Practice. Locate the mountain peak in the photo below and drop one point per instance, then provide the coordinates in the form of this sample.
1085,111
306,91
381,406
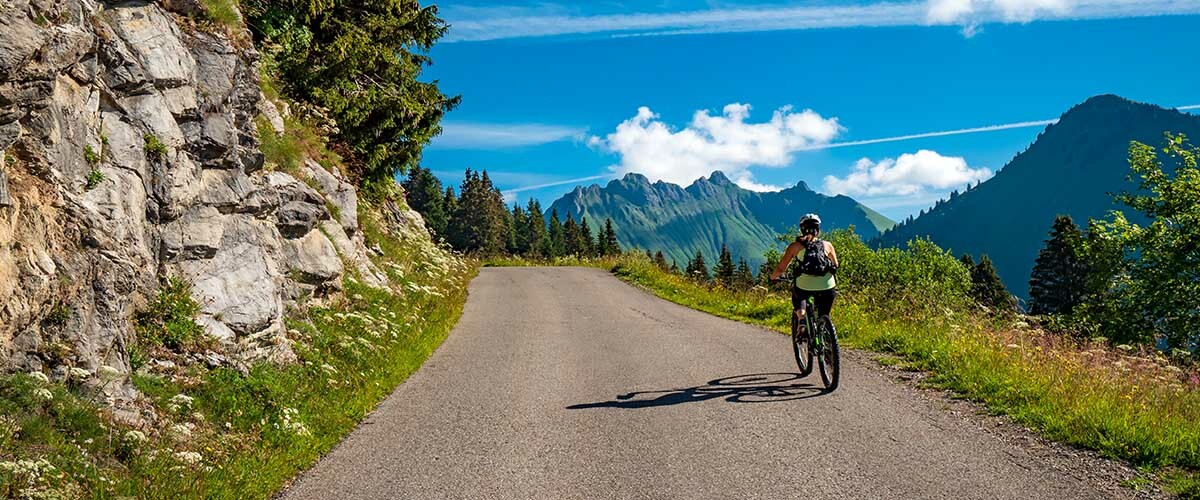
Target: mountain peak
719,178
635,179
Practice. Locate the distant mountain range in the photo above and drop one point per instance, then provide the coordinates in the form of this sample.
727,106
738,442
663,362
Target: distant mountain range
710,212
1071,168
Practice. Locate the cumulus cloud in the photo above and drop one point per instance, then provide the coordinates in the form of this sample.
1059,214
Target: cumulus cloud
912,174
725,142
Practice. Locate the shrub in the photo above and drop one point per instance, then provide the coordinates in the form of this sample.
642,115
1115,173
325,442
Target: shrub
169,319
154,147
94,178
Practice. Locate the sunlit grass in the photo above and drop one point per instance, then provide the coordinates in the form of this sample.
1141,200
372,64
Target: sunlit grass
222,433
1130,406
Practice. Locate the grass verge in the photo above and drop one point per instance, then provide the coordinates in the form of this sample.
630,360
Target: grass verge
1137,408
221,433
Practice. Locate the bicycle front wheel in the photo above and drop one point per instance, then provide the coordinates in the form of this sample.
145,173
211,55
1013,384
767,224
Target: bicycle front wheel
830,358
801,347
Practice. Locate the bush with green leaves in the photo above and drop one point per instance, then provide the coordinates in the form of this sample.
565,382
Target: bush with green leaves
921,277
360,61
1146,278
169,319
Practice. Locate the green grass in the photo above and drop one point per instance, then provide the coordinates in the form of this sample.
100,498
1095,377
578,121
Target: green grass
1134,408
222,433
93,179
154,147
223,12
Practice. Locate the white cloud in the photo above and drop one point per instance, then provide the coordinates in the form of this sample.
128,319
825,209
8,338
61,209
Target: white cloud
912,174
550,19
475,135
726,142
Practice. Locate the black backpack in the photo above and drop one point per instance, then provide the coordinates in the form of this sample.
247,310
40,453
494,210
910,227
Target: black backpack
816,262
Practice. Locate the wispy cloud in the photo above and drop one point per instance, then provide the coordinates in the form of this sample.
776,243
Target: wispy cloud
941,133
475,135
503,22
559,183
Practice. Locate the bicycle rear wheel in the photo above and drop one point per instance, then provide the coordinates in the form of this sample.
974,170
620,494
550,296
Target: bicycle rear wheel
830,357
801,348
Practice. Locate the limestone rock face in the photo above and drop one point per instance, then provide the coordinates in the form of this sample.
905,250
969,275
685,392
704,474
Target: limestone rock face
163,113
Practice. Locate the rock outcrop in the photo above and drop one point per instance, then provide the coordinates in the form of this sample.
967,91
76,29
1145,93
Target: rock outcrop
128,153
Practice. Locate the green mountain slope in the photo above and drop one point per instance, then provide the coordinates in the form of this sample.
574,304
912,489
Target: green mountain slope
1071,168
710,212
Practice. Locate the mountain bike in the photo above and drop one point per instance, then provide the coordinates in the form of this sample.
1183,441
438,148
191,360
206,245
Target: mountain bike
823,346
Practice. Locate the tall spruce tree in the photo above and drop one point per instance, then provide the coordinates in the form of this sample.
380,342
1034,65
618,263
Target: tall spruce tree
423,191
1059,278
988,290
697,269
480,223
572,238
556,236
535,230
723,273
587,244
518,232
743,278
967,262
660,260
608,240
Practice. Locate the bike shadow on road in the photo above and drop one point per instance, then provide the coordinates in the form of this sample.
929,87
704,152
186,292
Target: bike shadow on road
751,388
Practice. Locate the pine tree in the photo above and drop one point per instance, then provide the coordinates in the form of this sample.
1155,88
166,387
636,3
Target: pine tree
481,220
518,240
967,262
556,237
608,240
423,191
660,260
743,278
587,245
535,231
572,239
988,290
1059,276
697,269
674,267
723,273
450,206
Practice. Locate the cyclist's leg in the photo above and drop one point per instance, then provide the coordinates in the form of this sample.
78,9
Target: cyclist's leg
798,298
824,301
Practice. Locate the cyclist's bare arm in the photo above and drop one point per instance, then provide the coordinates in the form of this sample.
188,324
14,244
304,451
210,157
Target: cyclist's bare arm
832,253
792,250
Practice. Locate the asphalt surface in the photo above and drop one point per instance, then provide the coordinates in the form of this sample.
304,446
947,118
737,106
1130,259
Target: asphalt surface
566,383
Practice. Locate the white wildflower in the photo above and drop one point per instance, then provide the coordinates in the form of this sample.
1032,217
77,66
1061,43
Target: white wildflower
135,437
180,402
43,394
39,377
79,373
108,373
329,369
188,457
181,430
290,421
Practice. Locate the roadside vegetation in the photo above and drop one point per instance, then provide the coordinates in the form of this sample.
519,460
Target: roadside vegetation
224,433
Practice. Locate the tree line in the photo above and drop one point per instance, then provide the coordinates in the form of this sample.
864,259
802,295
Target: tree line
1130,283
476,220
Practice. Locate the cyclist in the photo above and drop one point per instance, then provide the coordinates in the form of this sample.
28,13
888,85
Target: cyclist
818,263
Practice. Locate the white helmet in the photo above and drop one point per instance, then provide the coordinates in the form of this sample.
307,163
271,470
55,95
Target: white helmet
810,219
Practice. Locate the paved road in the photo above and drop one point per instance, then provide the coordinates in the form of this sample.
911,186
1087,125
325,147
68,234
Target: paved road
566,383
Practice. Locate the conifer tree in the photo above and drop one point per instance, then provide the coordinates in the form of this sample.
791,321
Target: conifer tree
697,269
423,192
988,290
518,243
967,262
587,244
535,231
572,238
661,261
608,240
1059,276
743,279
556,236
723,273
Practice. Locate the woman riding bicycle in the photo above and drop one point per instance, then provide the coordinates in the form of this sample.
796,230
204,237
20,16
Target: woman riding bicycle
818,263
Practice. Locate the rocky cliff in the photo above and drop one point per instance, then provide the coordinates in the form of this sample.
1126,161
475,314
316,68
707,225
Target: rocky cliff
129,153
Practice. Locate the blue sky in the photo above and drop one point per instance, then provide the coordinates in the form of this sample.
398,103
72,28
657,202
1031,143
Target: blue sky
553,91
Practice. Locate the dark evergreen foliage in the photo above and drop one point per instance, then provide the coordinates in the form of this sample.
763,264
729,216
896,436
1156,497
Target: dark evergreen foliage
1059,276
